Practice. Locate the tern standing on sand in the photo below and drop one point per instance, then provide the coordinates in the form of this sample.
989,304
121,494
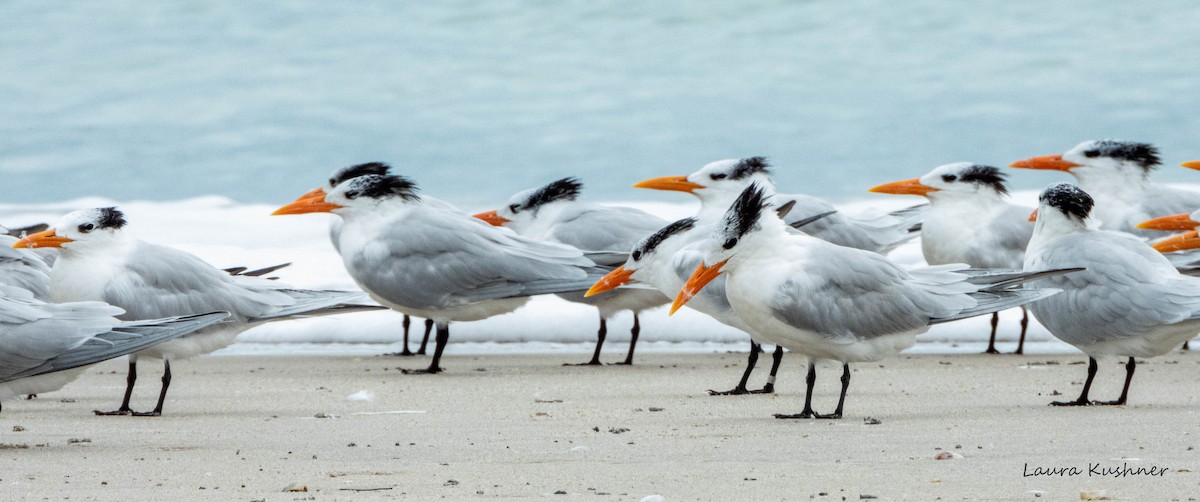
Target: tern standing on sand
553,213
100,262
970,221
1130,302
834,302
419,257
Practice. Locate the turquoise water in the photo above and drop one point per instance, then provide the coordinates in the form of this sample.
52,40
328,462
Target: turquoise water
259,101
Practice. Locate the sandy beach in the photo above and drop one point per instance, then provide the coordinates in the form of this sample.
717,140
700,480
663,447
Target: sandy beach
524,426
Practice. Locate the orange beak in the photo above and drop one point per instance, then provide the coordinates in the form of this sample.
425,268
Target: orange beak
701,277
1033,215
1050,162
492,218
43,239
904,187
311,202
611,281
1181,242
1192,164
1174,222
675,183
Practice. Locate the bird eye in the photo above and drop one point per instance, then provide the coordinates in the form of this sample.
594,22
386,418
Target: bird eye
332,182
352,194
637,254
949,178
514,208
1091,153
729,244
719,176
86,227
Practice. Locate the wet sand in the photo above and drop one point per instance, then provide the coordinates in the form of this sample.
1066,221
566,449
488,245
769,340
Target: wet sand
524,426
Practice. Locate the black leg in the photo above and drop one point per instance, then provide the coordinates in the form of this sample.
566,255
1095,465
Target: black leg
406,323
842,398
130,379
600,336
992,340
1087,386
776,359
443,336
425,339
1129,368
1185,345
741,386
1024,326
162,394
30,396
633,338
810,380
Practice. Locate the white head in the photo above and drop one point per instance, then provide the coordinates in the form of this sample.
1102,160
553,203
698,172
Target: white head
749,215
718,183
649,257
960,180
1062,208
1099,160
525,206
80,230
360,194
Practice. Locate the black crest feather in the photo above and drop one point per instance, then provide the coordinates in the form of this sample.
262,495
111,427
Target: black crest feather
110,217
563,189
1142,154
379,187
1069,199
651,243
749,166
358,170
986,175
746,210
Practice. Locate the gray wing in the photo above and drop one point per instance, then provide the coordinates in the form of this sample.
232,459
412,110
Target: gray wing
159,282
23,268
436,259
850,294
32,331
124,339
1003,245
605,228
1159,200
878,233
1127,289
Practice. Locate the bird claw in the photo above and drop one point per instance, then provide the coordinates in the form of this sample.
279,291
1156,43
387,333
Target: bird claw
426,371
736,391
1077,402
593,362
806,414
122,411
155,413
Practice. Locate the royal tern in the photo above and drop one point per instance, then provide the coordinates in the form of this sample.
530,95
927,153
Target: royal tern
99,262
415,255
719,183
335,231
1130,302
43,346
1117,175
970,221
664,260
833,302
552,213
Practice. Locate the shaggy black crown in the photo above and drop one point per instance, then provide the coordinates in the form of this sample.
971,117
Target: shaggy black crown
358,170
378,187
651,243
563,189
1069,199
1144,155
